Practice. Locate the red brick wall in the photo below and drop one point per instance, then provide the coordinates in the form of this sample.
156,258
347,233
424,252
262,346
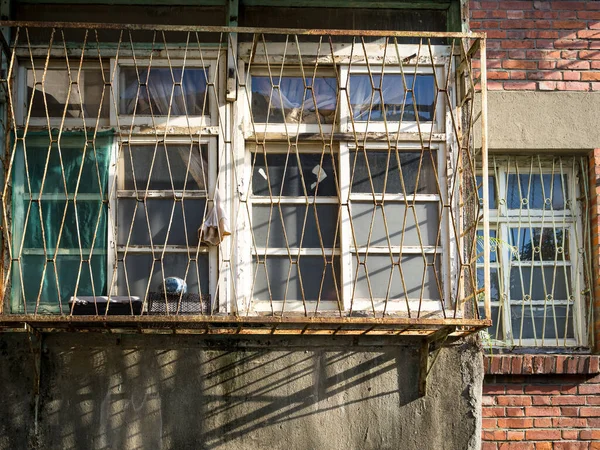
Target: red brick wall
540,45
541,402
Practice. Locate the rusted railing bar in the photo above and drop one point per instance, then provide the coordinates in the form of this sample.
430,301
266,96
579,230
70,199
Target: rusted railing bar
248,30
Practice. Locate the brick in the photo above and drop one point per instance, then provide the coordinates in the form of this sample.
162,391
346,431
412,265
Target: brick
544,422
545,65
514,400
515,435
515,423
544,400
569,411
515,412
573,24
590,76
572,86
542,435
518,74
589,54
547,85
543,76
568,400
542,411
588,34
495,75
569,422
571,44
496,435
567,5
492,412
548,389
573,65
516,64
493,389
589,15
592,400
571,446
514,389
521,86
488,400
571,75
570,435
589,434
517,446
590,411
589,389
488,446
543,446
488,423
523,44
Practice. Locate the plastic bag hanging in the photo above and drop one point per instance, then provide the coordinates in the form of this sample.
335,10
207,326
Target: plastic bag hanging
216,225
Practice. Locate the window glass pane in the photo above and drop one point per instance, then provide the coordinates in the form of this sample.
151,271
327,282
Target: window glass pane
491,190
67,228
367,218
154,217
419,280
81,94
296,220
495,246
537,282
495,330
69,169
549,322
137,270
84,224
549,244
372,97
281,172
162,91
282,281
296,100
89,277
379,167
148,166
494,283
546,191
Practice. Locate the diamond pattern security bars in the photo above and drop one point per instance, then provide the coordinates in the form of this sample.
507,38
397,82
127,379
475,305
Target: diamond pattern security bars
335,186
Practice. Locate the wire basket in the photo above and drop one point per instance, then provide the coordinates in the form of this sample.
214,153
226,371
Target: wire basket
161,304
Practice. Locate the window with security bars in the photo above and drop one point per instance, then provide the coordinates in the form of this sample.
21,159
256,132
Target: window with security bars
354,222
110,209
540,267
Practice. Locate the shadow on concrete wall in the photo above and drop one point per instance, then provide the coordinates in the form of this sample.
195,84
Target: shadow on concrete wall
165,392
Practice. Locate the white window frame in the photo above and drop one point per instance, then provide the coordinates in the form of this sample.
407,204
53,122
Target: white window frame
168,123
412,138
55,64
290,128
502,219
116,191
382,126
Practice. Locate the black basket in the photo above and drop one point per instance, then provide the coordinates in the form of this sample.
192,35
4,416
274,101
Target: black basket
175,304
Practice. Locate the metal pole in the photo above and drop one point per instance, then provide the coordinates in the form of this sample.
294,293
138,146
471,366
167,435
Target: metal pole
485,169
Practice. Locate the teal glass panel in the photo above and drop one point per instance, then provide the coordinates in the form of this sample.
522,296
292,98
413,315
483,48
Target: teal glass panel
59,206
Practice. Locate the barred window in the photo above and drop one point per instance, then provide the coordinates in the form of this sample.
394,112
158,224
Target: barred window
540,268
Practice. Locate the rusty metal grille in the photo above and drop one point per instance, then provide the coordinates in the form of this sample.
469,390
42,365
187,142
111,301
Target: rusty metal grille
541,267
293,177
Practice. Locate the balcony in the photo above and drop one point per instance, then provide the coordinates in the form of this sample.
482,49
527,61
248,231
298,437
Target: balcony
244,181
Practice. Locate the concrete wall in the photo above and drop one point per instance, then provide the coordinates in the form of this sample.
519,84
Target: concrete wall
167,392
522,121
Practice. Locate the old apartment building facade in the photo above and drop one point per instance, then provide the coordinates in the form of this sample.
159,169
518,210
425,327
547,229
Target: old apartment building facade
257,224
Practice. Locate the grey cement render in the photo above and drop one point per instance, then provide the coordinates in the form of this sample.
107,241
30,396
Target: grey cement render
172,392
533,121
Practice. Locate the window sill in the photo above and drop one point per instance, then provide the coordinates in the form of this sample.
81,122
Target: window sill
541,364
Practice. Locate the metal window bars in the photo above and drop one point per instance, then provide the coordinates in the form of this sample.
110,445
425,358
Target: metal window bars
344,162
541,267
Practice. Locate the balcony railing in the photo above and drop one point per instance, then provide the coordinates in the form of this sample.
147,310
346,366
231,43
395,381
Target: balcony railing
244,180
